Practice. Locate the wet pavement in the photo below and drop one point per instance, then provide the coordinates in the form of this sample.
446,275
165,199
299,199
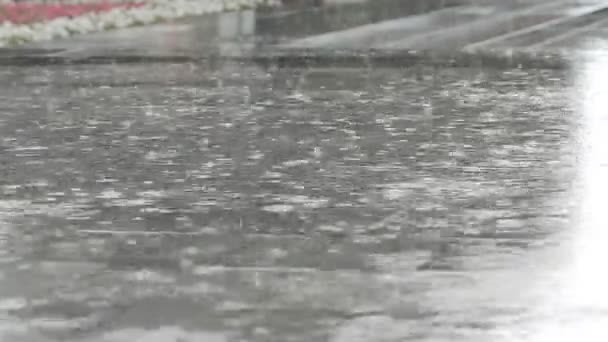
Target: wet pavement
362,27
215,200
238,34
235,203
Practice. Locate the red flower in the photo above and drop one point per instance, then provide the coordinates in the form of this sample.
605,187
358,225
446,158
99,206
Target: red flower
25,13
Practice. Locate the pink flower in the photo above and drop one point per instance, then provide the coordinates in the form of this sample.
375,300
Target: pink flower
25,13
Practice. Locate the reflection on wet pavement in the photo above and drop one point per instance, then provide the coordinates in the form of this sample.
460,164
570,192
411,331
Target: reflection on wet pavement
233,203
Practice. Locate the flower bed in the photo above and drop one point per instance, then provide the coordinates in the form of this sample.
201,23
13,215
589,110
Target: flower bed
27,12
43,20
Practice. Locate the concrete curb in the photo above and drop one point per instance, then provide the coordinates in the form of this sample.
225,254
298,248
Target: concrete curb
309,59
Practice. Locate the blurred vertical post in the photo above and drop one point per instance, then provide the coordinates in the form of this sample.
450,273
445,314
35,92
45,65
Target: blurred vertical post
236,31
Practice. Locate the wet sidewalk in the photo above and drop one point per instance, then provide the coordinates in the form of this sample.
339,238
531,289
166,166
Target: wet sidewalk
230,202
237,34
384,31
